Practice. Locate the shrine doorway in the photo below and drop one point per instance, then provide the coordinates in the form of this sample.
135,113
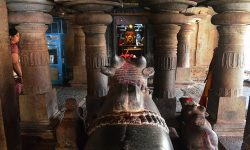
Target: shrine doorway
130,39
132,35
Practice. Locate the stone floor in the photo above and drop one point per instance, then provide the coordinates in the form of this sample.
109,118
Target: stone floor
231,143
195,91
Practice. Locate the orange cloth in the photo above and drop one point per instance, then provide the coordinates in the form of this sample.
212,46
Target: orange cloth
208,85
204,96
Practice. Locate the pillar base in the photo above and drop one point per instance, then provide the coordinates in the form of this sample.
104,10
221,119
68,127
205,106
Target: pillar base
39,117
229,129
227,114
167,108
38,136
79,76
183,77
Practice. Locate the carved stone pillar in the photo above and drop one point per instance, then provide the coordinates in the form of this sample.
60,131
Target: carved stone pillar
38,105
183,51
9,124
226,103
95,21
165,67
166,21
69,45
79,67
183,72
96,56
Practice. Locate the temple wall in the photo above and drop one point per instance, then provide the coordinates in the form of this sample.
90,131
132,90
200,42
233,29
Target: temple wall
204,41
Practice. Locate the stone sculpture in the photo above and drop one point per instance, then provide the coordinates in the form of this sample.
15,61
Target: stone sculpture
128,118
197,132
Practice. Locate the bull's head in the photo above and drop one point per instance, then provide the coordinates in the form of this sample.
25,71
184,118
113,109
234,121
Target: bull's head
193,112
128,84
196,115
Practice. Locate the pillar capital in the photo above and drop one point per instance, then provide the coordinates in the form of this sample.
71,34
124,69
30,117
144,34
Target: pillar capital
230,5
92,18
230,18
32,28
168,18
188,27
94,5
69,18
29,11
29,17
167,5
30,5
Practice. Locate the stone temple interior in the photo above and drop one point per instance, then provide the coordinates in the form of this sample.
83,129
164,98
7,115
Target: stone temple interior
125,75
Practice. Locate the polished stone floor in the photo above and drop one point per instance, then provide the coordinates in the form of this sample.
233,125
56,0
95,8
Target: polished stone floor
195,91
79,93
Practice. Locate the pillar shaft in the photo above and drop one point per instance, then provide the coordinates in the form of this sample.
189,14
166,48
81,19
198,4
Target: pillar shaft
79,52
69,45
184,45
96,57
165,60
79,67
9,124
34,59
230,63
95,25
183,72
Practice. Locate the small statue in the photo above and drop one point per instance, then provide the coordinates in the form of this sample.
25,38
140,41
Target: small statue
197,132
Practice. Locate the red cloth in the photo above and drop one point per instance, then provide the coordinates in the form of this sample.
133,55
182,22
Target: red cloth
19,86
14,48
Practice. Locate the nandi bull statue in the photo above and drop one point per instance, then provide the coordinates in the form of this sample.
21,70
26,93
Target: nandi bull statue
197,132
128,118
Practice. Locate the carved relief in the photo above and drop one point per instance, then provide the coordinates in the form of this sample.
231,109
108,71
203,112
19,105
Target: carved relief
165,63
141,118
184,48
226,92
170,93
96,62
232,60
97,92
35,59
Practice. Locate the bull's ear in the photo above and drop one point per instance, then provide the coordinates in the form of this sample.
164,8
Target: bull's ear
148,72
202,108
108,71
206,114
